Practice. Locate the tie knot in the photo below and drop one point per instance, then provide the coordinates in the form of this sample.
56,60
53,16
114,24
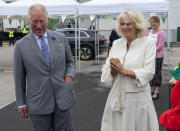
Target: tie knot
41,37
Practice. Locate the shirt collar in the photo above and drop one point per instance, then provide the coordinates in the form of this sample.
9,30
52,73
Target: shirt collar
37,37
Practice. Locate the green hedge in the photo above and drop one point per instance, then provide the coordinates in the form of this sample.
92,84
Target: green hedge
53,24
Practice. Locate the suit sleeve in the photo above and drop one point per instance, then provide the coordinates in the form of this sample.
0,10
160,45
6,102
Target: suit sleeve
70,64
19,77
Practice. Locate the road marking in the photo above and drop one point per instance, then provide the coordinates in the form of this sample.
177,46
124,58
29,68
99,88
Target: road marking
4,105
7,71
81,61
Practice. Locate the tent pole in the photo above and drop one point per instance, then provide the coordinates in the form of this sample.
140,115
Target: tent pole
98,38
76,42
168,42
95,47
96,44
79,42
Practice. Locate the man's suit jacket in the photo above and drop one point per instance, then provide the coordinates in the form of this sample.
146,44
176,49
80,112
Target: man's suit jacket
35,84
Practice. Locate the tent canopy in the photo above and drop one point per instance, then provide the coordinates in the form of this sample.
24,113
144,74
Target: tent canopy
2,2
116,6
54,7
2,5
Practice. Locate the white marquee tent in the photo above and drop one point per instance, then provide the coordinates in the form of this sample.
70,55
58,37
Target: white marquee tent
2,5
2,2
116,6
54,7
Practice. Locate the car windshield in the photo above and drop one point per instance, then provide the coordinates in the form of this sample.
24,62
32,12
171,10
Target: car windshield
84,33
71,33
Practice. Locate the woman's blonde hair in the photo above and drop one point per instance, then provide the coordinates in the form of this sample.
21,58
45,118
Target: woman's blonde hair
137,18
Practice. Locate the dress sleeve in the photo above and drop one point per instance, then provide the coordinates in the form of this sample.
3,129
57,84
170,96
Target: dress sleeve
106,77
145,74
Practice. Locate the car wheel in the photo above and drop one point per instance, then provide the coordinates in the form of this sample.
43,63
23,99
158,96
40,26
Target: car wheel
86,53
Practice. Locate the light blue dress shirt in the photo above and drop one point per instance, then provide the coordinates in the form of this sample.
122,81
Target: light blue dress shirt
39,40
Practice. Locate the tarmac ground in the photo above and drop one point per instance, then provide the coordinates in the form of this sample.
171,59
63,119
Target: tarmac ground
91,95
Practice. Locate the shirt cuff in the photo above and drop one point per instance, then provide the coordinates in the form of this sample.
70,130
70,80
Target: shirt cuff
22,106
70,75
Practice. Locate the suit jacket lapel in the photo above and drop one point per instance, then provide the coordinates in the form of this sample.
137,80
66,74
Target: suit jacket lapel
52,45
34,46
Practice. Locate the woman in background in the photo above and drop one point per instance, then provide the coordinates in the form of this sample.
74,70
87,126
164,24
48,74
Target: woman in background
159,36
129,68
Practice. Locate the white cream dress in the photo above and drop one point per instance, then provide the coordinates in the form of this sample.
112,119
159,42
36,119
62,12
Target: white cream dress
129,105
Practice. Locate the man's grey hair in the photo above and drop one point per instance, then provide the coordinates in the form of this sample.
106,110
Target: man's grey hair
37,7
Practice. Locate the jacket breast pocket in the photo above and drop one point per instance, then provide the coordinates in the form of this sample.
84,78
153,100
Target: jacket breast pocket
60,49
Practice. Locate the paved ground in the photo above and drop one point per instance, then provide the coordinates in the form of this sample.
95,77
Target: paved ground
91,95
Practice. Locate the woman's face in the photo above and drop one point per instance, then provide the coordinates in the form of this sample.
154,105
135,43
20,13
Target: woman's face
128,28
154,24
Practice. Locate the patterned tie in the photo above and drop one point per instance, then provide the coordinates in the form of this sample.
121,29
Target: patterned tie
45,52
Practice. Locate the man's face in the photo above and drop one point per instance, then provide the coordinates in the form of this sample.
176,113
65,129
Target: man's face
38,22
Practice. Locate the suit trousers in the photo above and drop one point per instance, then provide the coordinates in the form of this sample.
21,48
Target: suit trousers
59,120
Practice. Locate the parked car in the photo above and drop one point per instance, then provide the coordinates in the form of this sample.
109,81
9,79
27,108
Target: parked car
87,42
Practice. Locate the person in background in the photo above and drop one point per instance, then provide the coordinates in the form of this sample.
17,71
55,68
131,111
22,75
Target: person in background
159,36
113,36
25,31
69,24
60,26
1,37
128,69
44,70
11,37
92,27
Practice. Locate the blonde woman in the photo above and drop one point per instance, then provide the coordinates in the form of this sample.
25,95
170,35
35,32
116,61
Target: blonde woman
129,68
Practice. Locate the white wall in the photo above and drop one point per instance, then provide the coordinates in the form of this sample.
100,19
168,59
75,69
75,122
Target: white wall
174,14
174,20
